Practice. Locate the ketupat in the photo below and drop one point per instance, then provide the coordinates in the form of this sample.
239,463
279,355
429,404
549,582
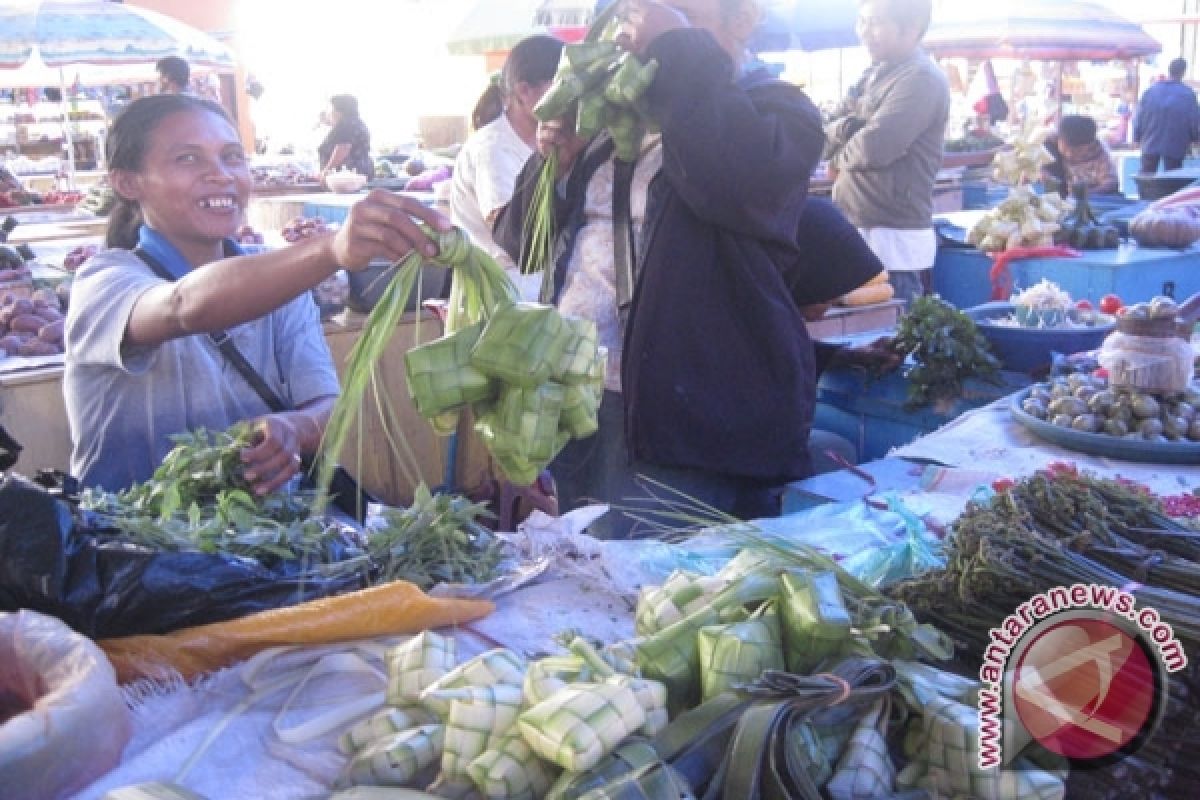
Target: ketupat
520,345
479,716
487,669
581,723
397,759
417,664
739,652
816,624
382,724
511,770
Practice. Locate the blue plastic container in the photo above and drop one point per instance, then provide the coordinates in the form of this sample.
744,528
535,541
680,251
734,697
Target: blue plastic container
1023,349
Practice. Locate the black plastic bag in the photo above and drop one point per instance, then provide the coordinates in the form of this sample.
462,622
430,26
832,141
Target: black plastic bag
62,562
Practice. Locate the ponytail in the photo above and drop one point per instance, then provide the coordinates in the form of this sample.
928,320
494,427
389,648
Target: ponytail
489,106
124,225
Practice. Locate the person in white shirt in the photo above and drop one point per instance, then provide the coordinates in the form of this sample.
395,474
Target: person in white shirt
486,169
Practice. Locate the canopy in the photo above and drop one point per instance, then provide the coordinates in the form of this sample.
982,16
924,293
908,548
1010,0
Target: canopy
1048,30
806,25
492,26
65,32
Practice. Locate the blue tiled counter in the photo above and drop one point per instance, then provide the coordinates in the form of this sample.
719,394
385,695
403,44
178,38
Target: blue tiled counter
961,275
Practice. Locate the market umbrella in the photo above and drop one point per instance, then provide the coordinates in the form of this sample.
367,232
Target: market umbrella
66,32
806,25
493,26
1047,30
40,40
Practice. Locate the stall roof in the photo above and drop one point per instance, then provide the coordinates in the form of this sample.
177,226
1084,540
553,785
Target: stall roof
1062,30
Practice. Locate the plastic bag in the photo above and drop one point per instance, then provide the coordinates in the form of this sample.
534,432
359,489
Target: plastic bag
879,547
63,721
387,610
63,563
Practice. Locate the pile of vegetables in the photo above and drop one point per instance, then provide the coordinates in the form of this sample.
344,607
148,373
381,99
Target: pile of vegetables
1087,403
198,500
1024,218
947,349
1062,527
33,325
531,378
1081,229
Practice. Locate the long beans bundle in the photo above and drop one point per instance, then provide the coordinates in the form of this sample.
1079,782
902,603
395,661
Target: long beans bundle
1060,528
1052,529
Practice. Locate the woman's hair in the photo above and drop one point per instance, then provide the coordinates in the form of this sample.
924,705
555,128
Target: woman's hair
345,104
1076,130
533,60
125,149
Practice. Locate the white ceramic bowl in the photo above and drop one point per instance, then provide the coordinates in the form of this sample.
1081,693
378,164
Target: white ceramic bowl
345,181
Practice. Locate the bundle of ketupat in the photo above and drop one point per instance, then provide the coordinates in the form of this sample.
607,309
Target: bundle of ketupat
737,653
603,87
514,365
942,742
495,725
591,722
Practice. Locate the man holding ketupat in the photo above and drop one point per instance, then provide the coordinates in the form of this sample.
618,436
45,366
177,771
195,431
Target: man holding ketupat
711,380
140,363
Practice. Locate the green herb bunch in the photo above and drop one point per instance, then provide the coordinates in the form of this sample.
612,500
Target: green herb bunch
198,499
947,348
437,539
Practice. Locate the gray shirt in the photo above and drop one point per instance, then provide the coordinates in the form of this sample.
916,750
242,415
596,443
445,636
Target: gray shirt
887,147
123,403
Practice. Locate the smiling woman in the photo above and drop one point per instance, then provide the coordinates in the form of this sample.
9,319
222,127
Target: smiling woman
138,367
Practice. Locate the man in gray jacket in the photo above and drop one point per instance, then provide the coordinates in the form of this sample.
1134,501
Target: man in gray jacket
885,144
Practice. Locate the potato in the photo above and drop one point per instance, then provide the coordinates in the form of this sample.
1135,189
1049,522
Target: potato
9,345
52,333
46,297
26,322
36,347
22,305
48,314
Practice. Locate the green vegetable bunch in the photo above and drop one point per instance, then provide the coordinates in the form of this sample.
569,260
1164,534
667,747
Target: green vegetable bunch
199,500
438,539
947,348
202,466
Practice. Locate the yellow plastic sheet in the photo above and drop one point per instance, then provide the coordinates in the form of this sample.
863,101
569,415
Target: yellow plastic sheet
390,609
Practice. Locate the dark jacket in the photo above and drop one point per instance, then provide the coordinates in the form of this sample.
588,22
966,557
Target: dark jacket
1168,120
718,368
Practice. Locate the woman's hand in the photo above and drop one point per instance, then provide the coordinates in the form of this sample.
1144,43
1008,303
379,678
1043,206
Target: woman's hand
559,135
274,457
385,226
643,21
